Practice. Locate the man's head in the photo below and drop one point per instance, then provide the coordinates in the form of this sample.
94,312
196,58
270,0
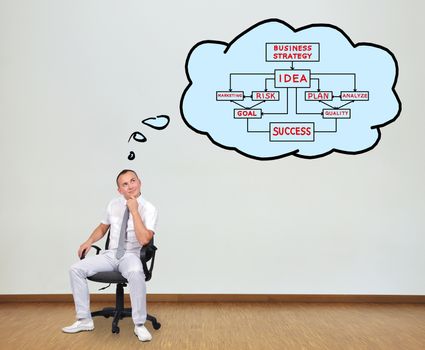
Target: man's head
128,183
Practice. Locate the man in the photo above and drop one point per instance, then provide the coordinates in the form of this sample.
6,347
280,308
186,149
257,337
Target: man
142,217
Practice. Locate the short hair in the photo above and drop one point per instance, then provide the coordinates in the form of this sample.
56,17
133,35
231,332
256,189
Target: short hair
125,171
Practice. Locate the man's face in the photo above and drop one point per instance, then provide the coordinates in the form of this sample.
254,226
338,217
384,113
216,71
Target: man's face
129,185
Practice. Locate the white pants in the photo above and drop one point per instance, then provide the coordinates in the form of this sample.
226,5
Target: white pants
130,267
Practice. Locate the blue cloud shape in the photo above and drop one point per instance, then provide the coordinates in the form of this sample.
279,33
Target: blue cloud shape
276,91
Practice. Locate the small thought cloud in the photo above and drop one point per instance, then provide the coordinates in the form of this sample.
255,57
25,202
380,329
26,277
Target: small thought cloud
160,122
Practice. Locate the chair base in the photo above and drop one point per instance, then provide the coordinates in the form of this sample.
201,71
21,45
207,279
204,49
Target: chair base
119,311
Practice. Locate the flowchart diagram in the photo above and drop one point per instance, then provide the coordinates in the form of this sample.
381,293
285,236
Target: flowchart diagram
275,91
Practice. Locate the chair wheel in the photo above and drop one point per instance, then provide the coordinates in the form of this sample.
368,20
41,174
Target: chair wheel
115,329
156,325
107,316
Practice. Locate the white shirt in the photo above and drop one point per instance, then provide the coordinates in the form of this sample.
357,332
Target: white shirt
114,215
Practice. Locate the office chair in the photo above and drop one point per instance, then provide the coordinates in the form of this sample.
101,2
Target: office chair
119,311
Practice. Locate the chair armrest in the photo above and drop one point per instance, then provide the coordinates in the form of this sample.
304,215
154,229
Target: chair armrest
95,247
147,253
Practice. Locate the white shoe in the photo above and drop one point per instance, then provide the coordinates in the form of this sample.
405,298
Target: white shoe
79,326
142,333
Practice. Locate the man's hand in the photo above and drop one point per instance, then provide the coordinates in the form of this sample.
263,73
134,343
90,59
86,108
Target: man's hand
85,247
97,234
132,204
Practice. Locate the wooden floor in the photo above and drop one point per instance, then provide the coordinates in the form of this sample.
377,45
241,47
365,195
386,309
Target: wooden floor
197,326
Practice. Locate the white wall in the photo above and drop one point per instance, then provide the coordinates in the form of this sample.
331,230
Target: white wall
77,78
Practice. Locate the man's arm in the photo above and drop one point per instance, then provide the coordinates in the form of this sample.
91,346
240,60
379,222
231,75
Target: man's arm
143,235
97,234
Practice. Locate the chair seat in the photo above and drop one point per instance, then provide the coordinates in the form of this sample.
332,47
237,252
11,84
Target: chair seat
108,277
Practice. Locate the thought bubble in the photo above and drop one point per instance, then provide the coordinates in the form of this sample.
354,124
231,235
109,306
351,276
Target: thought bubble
159,123
275,91
137,136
